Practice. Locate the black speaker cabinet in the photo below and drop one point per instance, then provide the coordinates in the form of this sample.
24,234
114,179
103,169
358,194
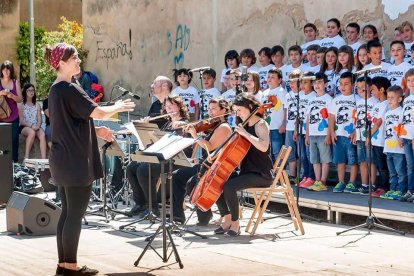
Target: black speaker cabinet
31,215
6,162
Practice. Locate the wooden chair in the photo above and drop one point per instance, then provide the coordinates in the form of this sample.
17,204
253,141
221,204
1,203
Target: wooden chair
280,184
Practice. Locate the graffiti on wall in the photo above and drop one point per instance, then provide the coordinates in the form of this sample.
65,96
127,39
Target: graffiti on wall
178,44
113,50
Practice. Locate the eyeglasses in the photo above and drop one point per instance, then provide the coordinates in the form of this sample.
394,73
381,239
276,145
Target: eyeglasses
30,90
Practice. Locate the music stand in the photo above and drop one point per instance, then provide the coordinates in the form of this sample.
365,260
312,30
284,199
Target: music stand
165,150
108,148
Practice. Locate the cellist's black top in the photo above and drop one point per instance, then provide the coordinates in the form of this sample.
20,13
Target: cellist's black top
256,161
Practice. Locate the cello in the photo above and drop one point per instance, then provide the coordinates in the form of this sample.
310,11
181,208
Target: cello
227,158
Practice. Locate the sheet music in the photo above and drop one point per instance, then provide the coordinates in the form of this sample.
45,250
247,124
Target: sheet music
169,145
130,126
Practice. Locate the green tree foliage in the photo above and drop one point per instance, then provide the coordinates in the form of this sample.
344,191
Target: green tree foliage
68,31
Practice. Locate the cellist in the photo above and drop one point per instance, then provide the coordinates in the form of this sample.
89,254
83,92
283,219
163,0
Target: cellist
255,168
219,109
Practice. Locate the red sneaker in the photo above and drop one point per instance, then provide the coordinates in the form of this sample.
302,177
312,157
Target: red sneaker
303,181
377,192
309,182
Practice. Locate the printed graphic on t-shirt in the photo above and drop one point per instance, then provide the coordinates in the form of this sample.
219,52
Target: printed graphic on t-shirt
343,107
318,115
393,130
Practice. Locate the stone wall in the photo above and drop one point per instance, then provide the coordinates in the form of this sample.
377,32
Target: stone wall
9,29
130,42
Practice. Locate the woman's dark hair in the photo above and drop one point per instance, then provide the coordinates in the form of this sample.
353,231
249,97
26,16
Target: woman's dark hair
223,104
231,54
337,23
348,50
9,65
358,63
175,99
324,65
248,101
69,52
24,93
184,71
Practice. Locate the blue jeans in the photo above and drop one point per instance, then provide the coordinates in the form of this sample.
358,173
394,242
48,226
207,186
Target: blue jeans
290,143
362,152
344,151
409,157
398,171
276,142
380,161
305,158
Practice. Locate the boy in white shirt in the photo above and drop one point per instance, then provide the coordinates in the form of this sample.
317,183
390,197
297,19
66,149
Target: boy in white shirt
407,35
379,91
311,33
317,135
342,129
364,91
276,93
312,65
374,48
393,146
209,92
265,61
352,36
295,58
397,71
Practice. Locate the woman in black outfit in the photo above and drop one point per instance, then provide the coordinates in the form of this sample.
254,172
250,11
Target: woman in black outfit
216,107
255,168
74,156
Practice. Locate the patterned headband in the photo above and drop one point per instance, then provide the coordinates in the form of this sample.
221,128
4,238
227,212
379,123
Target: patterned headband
57,54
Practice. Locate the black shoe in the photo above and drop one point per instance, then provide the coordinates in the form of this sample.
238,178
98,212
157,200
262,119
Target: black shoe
136,210
220,231
233,233
83,271
59,271
205,220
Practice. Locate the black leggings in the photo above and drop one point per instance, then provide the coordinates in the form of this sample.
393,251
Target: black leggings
228,202
74,203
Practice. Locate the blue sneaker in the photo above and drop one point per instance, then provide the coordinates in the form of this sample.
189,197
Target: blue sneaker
351,188
387,195
339,188
395,195
363,190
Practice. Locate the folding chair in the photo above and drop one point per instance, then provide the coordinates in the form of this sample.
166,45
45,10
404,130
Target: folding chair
280,184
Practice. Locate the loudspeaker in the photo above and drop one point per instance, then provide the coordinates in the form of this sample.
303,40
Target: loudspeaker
6,163
31,215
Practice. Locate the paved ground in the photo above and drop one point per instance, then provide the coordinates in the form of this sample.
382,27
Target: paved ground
275,250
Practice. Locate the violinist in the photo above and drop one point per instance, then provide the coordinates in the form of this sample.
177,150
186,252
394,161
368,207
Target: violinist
218,108
255,167
138,173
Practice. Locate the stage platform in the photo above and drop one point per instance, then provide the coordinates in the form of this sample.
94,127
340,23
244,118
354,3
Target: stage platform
336,204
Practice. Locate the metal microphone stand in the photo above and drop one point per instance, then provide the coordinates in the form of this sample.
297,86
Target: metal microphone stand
371,221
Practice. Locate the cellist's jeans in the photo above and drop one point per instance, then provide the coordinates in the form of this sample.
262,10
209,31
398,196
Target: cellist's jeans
228,202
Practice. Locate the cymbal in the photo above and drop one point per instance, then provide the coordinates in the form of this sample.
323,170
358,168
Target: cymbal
108,120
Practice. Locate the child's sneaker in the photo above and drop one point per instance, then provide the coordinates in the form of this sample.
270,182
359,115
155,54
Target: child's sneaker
387,195
350,188
377,192
303,181
292,180
339,188
396,195
408,195
309,182
363,190
317,187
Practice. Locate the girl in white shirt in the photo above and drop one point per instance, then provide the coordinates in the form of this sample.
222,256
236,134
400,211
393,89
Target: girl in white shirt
328,68
253,85
231,61
333,34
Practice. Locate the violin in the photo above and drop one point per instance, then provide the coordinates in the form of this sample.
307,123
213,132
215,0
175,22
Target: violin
227,157
206,125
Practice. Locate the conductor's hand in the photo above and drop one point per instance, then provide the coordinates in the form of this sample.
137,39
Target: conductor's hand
104,133
125,105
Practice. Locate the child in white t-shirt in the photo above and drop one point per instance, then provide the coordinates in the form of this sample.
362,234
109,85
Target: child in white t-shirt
393,145
397,70
364,108
328,68
379,91
231,61
407,35
369,33
312,65
317,135
265,61
209,92
295,58
190,96
352,36
345,64
230,94
362,58
248,59
374,49
333,34
311,33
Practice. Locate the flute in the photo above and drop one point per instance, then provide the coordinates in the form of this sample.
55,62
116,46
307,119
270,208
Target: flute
154,118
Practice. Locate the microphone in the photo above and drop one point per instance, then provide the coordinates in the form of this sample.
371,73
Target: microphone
372,69
200,69
124,92
244,75
303,78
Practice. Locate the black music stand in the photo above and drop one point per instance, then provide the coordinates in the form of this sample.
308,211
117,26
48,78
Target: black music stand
165,150
108,148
